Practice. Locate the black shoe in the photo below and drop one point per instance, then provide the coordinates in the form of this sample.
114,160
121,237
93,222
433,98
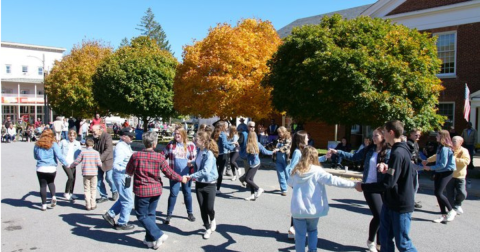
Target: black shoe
191,217
109,219
101,200
167,220
417,205
115,196
124,227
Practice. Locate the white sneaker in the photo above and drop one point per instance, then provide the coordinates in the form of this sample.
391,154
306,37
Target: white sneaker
207,234
234,178
67,196
459,210
441,219
44,207
252,197
372,247
149,244
160,241
73,197
451,215
213,225
259,192
291,233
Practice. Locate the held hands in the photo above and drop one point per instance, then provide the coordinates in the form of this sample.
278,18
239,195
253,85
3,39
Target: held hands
185,179
331,151
358,187
382,167
425,167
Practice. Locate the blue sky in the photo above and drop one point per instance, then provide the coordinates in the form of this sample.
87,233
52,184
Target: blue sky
66,23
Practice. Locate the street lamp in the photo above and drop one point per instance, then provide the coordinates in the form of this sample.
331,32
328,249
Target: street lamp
45,106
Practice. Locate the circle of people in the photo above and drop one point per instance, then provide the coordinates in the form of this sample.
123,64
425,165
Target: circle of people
389,184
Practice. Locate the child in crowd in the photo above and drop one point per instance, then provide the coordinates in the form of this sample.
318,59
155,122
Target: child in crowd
90,159
309,198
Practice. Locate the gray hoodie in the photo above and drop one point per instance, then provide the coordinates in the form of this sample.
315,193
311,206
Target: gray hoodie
309,197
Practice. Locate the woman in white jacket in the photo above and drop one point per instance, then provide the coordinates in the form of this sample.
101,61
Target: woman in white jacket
309,198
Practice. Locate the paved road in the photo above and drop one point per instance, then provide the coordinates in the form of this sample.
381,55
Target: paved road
242,225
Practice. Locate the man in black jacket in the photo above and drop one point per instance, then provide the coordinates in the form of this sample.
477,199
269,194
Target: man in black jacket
412,143
398,188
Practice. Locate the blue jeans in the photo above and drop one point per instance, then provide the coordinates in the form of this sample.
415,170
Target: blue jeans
145,209
187,195
302,227
101,185
64,134
124,204
395,225
282,174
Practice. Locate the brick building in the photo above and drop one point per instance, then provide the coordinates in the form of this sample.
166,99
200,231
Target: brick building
457,25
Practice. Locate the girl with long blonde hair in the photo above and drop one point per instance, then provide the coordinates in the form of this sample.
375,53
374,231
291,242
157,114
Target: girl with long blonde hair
205,175
309,197
253,150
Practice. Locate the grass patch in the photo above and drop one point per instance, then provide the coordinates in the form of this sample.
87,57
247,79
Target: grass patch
322,151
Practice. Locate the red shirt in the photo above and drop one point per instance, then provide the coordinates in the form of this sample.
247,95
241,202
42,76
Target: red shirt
146,165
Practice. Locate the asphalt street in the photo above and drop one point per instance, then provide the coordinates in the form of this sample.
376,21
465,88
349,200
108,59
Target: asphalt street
242,226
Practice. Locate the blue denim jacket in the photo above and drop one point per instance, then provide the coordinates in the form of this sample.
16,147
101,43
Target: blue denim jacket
365,154
243,145
224,146
207,172
48,157
76,146
254,159
445,160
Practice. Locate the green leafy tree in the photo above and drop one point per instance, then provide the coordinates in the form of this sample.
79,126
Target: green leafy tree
152,29
358,71
69,84
137,80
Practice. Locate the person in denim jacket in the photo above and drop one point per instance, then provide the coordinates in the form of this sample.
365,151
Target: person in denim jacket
444,168
205,175
282,157
372,155
224,147
253,150
46,152
71,148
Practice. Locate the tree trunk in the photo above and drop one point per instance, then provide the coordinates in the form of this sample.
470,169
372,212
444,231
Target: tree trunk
145,123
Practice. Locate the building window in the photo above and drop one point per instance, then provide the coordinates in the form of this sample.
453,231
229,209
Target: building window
40,70
24,69
7,91
355,129
448,110
39,110
8,69
40,92
446,48
24,91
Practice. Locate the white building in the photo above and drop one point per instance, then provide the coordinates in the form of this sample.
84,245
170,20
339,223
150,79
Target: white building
22,72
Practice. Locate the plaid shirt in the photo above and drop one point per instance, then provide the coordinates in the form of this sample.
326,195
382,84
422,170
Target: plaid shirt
169,150
146,166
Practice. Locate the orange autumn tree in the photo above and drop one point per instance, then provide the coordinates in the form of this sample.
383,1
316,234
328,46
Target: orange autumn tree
69,84
221,75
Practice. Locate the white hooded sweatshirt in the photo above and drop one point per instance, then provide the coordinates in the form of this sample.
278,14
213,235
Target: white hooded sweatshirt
309,198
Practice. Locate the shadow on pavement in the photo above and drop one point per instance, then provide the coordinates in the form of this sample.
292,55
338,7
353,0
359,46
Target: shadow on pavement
22,202
85,225
356,206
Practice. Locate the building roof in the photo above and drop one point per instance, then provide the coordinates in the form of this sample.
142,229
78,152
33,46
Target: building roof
23,80
35,47
347,13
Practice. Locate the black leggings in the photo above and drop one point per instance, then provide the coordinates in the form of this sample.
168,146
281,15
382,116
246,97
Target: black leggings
233,162
249,178
374,202
441,181
71,175
221,162
206,201
45,179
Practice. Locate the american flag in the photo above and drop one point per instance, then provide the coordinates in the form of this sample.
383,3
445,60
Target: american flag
466,107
